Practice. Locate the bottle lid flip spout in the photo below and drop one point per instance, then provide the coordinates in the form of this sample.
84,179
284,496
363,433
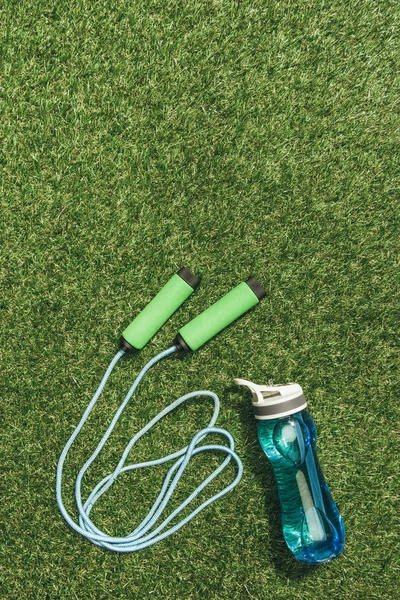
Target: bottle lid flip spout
274,401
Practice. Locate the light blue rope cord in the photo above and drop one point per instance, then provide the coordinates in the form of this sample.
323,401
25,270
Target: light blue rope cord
149,531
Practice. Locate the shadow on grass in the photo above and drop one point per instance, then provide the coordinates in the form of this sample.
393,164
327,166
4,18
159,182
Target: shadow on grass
282,558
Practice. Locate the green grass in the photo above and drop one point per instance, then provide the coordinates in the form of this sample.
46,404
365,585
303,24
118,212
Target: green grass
236,138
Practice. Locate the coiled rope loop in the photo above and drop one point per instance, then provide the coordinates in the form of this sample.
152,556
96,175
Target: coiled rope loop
149,531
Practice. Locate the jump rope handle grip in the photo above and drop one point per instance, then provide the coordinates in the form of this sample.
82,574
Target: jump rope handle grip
221,314
159,310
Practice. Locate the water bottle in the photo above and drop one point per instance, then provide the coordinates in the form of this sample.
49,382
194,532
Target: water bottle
312,526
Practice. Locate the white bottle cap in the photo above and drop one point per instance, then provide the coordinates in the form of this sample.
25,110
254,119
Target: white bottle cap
274,401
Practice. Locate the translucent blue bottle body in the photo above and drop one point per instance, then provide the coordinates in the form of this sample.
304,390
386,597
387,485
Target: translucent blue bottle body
312,526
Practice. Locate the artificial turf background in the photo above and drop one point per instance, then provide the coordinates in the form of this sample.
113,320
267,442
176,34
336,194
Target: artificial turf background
235,138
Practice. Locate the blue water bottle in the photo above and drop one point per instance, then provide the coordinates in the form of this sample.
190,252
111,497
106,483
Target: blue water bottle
312,526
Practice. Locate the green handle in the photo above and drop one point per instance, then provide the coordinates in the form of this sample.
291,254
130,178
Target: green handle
218,316
154,315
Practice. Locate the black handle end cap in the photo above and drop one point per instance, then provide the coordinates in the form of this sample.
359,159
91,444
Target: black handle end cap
125,346
189,277
256,287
